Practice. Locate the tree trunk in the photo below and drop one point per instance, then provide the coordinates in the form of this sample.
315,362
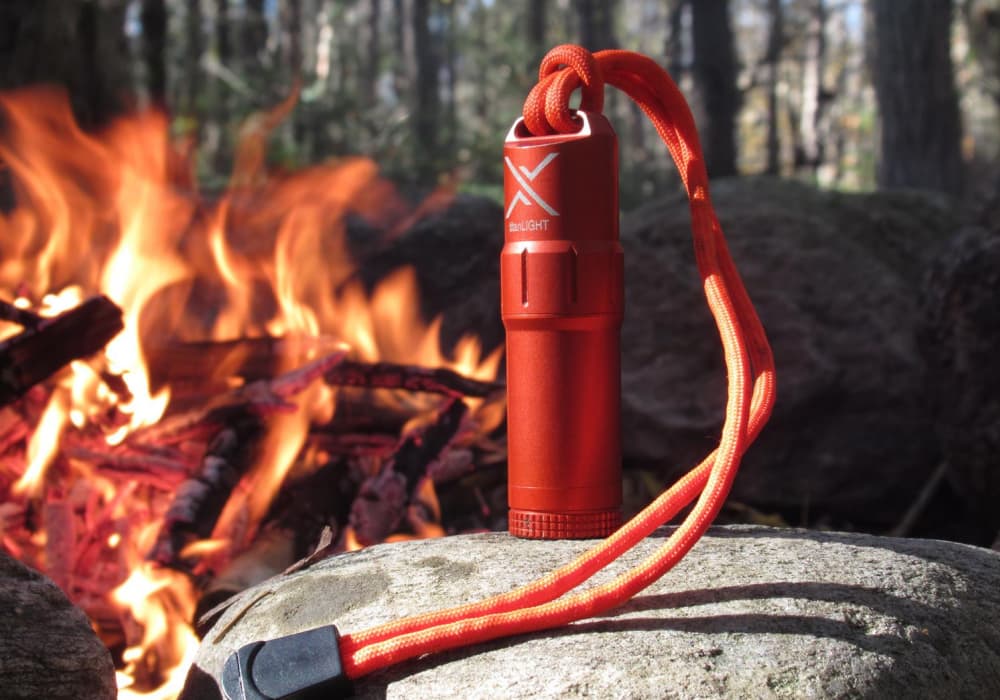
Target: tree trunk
481,29
192,59
537,34
596,19
920,129
674,44
154,45
849,68
220,91
291,36
775,42
813,93
374,52
223,43
254,34
427,102
982,22
714,72
78,45
403,70
450,42
291,58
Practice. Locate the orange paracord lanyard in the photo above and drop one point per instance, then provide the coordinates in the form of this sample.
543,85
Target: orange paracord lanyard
543,604
539,605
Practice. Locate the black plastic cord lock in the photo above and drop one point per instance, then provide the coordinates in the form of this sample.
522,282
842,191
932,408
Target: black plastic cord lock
299,666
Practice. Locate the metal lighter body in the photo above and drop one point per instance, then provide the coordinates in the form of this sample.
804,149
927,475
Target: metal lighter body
562,302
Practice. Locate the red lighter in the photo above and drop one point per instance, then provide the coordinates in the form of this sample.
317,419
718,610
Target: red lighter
561,291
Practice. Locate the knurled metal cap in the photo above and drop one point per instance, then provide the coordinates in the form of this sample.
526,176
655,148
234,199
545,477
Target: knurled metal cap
535,525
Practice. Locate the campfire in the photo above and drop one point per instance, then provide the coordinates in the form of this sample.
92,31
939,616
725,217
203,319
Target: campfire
196,391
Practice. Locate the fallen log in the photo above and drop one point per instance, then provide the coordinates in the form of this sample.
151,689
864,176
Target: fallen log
38,352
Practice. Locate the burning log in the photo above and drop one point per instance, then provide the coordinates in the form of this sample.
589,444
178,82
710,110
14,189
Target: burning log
309,515
230,453
309,509
355,444
387,375
200,499
41,350
271,553
160,471
319,500
263,397
15,314
60,542
188,366
12,429
382,500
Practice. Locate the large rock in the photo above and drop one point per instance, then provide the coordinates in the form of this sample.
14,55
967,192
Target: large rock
836,279
750,612
961,341
47,646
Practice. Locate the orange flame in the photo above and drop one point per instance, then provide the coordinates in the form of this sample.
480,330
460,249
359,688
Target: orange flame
114,213
44,445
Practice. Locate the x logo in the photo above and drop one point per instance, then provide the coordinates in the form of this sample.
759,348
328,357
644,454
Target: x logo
526,195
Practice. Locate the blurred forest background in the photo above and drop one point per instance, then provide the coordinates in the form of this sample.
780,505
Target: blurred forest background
844,94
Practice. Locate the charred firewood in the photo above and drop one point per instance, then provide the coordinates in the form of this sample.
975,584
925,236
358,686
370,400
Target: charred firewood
271,553
387,375
187,366
13,429
356,445
163,472
38,352
263,397
200,499
304,509
191,366
15,314
308,504
60,541
230,453
29,319
304,518
383,498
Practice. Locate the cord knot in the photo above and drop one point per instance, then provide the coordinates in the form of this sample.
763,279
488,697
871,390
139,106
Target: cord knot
564,69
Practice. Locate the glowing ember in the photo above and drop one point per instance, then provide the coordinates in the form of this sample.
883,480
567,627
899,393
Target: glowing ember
113,213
